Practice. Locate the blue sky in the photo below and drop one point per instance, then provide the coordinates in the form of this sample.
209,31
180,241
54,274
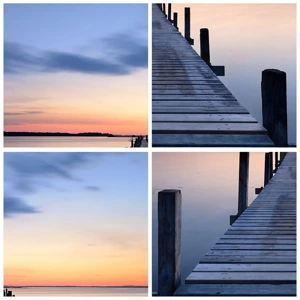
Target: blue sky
69,67
61,206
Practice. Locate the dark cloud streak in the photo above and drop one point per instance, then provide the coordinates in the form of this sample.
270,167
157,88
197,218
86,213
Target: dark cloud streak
130,53
15,205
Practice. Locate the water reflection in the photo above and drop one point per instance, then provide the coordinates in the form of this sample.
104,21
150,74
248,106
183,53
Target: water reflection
209,186
248,38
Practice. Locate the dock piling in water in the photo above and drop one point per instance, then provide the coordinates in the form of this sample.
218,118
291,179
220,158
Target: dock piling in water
274,105
187,25
204,45
170,12
243,182
169,241
175,20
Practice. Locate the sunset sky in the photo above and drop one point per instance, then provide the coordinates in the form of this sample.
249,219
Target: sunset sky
75,219
76,68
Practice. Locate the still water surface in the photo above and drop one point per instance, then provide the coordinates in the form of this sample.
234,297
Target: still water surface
77,291
246,39
209,187
63,141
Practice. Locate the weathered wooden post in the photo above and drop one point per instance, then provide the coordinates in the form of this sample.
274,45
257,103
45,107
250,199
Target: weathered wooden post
267,168
187,25
204,45
276,162
164,8
274,105
243,182
175,20
271,165
170,12
169,242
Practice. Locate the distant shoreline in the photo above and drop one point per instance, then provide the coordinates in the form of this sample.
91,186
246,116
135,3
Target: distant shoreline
88,134
73,286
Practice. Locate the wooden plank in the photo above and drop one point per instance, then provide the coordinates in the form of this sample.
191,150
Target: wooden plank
200,110
191,92
241,277
257,236
196,103
172,98
253,241
208,118
218,128
239,228
236,290
213,140
263,232
261,253
245,268
246,259
255,247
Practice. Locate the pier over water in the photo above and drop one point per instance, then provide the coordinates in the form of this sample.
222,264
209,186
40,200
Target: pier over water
191,107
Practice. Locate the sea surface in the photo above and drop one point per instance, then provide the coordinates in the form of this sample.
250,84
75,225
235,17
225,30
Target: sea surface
77,291
209,187
66,141
247,39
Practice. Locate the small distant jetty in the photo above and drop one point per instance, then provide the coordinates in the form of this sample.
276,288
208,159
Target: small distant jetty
7,293
139,141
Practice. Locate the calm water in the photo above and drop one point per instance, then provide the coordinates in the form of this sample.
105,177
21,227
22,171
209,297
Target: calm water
209,186
246,39
78,291
60,141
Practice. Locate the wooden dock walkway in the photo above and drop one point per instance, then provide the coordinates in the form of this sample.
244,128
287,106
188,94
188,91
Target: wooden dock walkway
191,107
257,255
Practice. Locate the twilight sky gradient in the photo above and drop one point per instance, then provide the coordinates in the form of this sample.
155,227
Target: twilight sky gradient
76,67
75,218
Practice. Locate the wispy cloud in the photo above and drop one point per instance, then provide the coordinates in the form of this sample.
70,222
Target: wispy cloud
25,173
132,53
15,205
92,188
22,113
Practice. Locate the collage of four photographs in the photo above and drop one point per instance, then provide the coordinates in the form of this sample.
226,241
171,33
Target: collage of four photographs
108,104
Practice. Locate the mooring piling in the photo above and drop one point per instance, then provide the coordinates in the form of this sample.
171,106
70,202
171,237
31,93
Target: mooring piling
274,105
169,241
175,20
170,12
187,25
243,182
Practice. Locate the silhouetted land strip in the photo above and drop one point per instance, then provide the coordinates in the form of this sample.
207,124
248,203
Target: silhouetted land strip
80,286
25,133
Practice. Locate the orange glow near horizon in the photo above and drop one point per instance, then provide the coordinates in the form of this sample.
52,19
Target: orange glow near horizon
75,103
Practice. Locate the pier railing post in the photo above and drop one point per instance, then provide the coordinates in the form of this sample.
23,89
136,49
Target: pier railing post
204,45
164,8
271,165
243,182
268,167
274,105
169,242
175,20
187,25
170,12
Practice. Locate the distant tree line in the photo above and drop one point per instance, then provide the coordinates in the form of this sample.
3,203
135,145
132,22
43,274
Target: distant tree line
24,133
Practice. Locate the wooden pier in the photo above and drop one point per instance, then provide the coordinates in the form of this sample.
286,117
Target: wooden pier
191,107
257,254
